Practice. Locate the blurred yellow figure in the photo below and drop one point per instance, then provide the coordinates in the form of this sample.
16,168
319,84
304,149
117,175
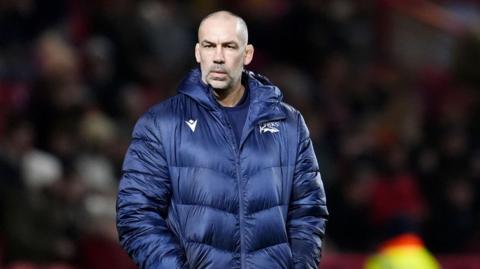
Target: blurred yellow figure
405,251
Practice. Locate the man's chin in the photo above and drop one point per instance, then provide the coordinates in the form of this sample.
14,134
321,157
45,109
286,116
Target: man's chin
218,85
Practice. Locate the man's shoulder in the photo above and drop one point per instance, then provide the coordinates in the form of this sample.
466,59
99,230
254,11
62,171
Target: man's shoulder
168,107
164,112
290,111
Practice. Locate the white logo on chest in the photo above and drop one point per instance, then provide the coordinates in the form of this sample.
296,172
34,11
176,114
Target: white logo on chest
192,124
271,127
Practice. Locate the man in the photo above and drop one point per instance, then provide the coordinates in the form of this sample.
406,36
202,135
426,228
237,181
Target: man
222,175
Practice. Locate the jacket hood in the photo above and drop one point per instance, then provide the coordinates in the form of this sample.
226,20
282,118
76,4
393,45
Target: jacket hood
261,89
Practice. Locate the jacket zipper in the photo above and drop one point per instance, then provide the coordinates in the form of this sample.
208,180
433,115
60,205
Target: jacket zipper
239,179
236,149
241,209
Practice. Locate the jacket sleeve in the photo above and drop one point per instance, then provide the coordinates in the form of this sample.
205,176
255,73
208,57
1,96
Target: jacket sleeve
143,200
307,213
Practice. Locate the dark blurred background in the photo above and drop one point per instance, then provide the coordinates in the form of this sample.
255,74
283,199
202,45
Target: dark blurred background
389,89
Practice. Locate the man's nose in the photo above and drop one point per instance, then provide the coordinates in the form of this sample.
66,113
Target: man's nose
218,57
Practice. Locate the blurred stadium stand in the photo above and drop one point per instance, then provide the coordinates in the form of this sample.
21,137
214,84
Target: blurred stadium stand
390,90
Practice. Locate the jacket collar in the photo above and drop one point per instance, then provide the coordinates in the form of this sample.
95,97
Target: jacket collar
265,98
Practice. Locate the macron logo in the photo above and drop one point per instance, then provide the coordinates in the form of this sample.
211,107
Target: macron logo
271,127
192,124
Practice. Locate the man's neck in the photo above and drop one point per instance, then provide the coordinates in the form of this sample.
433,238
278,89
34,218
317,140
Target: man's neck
230,97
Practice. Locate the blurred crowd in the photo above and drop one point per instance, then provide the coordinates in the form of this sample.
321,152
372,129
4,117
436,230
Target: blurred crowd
390,93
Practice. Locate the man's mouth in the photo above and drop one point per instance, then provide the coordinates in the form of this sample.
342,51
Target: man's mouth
218,74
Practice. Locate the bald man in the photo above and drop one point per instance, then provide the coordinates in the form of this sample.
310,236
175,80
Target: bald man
223,174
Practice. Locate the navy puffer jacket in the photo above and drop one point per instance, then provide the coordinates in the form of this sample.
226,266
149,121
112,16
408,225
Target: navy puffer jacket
190,197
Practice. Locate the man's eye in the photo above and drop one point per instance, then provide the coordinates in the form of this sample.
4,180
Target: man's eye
208,46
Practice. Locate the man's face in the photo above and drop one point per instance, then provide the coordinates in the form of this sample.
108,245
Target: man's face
222,52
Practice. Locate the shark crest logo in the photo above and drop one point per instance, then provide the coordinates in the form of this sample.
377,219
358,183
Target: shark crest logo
271,127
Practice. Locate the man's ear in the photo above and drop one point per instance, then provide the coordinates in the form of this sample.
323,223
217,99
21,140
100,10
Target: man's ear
248,54
197,52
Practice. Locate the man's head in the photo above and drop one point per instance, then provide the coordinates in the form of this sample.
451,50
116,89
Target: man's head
222,49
